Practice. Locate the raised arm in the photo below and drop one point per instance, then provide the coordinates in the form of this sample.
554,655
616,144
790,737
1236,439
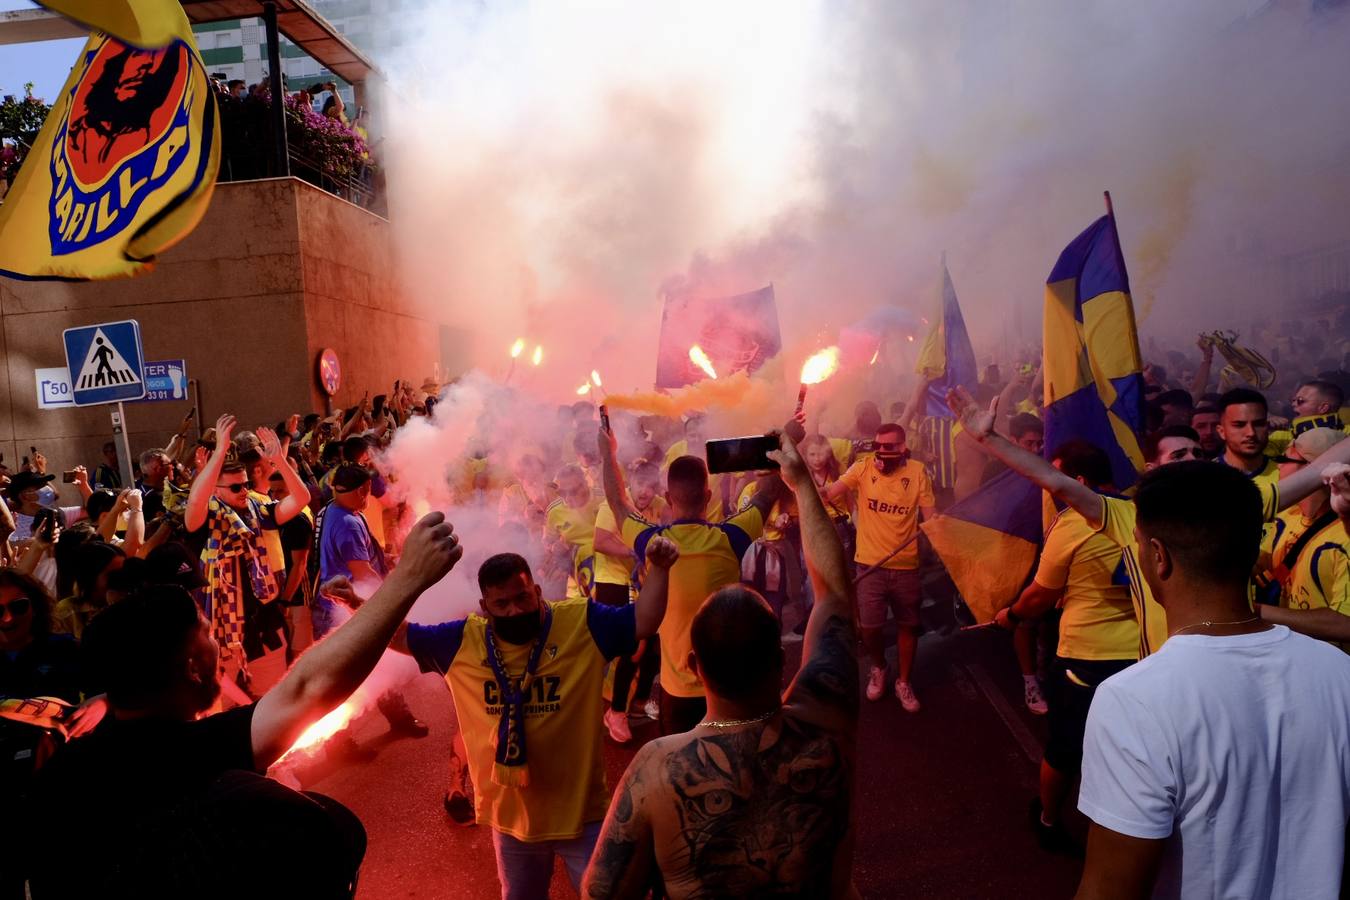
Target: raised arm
979,425
194,515
651,602
622,865
826,689
329,672
1309,478
616,492
298,494
135,536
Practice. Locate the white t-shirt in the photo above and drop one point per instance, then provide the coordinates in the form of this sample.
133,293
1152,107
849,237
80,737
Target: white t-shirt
1235,749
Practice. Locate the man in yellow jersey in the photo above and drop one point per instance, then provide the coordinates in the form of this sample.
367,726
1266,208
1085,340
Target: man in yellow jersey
721,486
616,579
1081,571
1316,404
526,679
892,491
710,558
1114,517
755,801
1244,427
569,531
1311,552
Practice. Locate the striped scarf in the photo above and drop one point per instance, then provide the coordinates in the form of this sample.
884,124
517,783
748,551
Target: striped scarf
231,547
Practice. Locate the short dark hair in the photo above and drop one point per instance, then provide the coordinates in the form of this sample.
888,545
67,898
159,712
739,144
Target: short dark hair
1154,438
354,446
891,428
90,559
99,502
1080,459
735,637
1021,423
1205,409
1330,390
1208,515
687,480
645,471
110,445
1175,397
311,419
135,649
233,467
498,569
1238,396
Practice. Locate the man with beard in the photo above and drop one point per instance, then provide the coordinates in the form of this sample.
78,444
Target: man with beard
1205,421
1244,427
755,800
892,491
526,677
179,803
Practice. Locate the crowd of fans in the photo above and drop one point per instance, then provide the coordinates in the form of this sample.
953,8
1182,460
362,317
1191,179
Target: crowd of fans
161,640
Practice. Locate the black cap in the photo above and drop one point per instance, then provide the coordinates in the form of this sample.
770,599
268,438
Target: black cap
172,563
349,478
22,481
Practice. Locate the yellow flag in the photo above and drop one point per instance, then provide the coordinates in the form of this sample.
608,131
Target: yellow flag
126,162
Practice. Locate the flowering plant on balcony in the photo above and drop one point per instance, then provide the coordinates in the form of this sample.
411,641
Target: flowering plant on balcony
330,144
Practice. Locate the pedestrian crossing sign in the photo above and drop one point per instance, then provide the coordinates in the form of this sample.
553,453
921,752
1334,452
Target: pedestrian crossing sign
106,362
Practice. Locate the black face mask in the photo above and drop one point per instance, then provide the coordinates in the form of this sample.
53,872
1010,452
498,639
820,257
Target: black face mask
892,461
519,629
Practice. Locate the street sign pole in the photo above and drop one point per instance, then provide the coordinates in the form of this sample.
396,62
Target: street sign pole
119,423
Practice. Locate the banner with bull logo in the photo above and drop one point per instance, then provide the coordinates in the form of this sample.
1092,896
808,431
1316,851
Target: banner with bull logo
126,162
737,334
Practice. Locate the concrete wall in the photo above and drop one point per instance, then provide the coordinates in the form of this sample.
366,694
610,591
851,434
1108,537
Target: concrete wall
276,271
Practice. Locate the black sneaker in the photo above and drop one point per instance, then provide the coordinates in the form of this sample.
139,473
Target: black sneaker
401,719
460,808
1053,838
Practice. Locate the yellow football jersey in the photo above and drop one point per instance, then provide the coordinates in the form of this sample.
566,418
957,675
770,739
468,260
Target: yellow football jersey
563,741
576,527
888,511
710,558
1098,620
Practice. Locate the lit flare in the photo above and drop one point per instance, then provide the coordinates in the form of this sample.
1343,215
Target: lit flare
538,356
518,347
821,365
584,389
325,728
595,378
700,359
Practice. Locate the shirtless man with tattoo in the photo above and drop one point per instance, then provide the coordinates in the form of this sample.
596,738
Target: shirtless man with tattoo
757,799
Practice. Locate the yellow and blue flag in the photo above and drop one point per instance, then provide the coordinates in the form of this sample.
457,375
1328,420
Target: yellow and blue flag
126,162
988,541
1094,386
946,360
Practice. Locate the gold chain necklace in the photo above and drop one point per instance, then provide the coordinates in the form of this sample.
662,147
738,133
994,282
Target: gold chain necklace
1212,624
732,723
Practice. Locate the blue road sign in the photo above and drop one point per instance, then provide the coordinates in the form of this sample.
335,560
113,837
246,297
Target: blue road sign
165,380
106,362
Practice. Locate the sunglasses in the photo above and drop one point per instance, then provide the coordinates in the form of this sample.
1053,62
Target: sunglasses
237,488
19,607
1289,459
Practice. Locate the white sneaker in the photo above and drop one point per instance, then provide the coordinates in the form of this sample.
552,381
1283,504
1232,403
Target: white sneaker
905,694
876,679
617,724
651,710
1035,702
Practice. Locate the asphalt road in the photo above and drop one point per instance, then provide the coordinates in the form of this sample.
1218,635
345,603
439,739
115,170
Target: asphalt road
942,795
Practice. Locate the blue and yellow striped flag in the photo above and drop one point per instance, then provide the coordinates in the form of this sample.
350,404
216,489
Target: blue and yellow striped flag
1094,386
126,162
988,541
946,360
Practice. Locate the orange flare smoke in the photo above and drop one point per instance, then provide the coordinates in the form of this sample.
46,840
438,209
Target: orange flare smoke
736,391
700,359
820,365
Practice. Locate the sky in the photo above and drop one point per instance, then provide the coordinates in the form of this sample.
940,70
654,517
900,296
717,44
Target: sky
45,64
